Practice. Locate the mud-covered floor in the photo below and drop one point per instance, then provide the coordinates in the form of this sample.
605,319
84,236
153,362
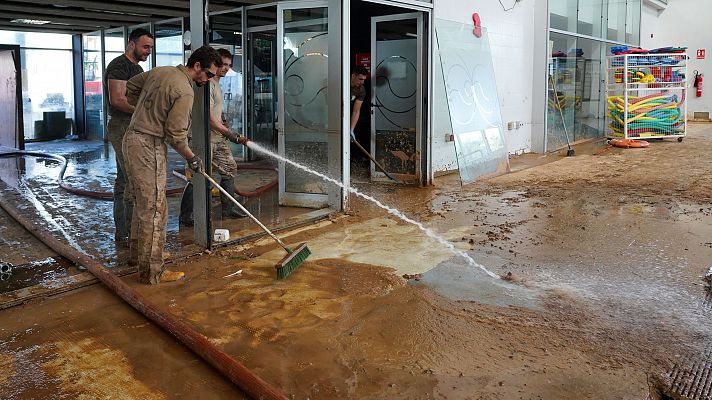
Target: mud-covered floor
606,252
30,184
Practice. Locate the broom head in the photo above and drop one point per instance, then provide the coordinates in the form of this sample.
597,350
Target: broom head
292,261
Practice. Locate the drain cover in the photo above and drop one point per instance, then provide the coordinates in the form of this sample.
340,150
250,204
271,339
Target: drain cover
693,379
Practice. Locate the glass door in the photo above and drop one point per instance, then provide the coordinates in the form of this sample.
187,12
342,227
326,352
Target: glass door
226,33
309,107
261,77
93,72
396,91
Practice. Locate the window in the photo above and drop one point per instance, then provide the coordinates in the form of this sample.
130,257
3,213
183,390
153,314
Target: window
169,43
114,44
93,96
47,82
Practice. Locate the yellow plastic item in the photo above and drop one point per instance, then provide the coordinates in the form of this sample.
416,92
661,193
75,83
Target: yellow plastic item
171,276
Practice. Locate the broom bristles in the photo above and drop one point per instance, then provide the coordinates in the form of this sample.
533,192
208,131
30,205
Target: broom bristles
292,261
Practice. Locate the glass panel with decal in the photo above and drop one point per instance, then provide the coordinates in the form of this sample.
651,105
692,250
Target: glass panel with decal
473,105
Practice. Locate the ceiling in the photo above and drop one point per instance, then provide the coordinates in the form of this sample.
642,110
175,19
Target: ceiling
80,16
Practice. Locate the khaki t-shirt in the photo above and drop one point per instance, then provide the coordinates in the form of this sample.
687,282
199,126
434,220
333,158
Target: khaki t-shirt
163,98
216,105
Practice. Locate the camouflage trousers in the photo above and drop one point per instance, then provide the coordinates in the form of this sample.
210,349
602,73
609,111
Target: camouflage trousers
223,160
123,204
146,158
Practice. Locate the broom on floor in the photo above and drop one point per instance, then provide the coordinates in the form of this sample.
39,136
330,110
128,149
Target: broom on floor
293,259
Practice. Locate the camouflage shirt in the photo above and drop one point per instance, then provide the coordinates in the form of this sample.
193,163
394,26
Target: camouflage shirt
122,69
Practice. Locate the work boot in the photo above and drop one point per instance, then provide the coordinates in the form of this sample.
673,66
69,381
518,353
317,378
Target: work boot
229,209
186,206
171,276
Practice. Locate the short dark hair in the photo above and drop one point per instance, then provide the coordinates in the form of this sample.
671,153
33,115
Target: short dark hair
359,70
224,54
206,56
137,33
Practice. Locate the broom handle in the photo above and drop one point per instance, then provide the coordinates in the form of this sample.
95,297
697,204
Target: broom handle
374,160
237,203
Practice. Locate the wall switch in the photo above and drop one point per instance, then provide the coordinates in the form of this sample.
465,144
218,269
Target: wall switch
449,137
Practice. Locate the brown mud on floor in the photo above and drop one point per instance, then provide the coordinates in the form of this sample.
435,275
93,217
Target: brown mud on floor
606,251
333,330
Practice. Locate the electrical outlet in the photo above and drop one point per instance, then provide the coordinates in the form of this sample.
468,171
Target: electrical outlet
449,137
511,125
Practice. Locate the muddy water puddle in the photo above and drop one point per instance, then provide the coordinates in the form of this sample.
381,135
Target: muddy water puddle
44,272
459,281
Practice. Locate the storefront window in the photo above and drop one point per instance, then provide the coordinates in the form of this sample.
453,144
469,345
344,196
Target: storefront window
576,102
616,20
38,40
562,97
93,72
114,44
562,15
632,25
48,93
169,43
588,112
589,18
47,82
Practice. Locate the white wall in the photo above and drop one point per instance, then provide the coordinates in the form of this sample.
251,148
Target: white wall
511,40
683,23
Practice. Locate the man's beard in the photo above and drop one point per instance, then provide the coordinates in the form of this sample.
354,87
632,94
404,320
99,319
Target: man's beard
139,56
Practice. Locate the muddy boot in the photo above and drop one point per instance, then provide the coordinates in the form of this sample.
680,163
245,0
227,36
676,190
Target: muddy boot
229,209
186,206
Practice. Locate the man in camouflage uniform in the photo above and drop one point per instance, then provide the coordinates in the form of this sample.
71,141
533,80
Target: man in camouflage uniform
223,160
120,70
163,98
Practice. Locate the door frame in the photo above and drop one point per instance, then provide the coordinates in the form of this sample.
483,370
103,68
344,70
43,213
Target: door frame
19,134
333,197
248,68
421,130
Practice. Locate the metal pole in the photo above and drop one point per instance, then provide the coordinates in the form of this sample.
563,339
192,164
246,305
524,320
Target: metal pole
201,129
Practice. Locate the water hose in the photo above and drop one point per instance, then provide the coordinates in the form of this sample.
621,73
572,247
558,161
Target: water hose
63,169
180,174
245,379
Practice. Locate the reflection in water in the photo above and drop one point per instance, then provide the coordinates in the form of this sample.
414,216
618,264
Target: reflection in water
84,223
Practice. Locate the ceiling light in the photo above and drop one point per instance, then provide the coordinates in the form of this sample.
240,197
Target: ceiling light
30,21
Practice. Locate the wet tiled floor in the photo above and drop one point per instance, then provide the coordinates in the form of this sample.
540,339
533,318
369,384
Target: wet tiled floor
30,184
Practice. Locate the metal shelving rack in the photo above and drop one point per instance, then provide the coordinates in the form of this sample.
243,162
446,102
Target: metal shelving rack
646,96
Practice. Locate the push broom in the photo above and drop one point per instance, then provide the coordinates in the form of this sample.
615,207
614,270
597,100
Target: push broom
293,259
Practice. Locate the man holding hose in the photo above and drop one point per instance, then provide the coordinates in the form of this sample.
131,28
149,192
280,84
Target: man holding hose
223,160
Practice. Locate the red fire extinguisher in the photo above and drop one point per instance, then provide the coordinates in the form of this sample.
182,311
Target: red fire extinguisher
698,84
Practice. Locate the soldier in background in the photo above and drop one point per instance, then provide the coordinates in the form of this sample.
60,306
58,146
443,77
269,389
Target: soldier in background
223,160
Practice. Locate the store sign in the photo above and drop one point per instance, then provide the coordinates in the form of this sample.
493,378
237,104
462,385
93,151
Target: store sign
364,59
701,54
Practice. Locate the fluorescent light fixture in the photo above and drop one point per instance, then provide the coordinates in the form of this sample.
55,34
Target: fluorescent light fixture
30,21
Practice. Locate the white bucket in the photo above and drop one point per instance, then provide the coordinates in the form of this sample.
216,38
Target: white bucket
221,235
